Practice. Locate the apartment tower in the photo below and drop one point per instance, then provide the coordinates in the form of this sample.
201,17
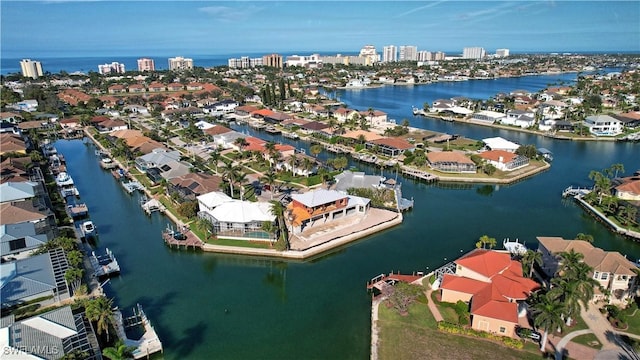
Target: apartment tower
146,64
30,68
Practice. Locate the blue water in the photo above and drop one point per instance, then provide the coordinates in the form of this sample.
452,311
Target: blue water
206,305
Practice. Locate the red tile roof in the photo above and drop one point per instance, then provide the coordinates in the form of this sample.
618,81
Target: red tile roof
495,155
462,284
396,143
485,262
448,156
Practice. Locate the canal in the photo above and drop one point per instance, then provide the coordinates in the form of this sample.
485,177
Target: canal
207,305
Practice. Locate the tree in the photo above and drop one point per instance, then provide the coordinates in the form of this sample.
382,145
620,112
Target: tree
489,169
547,315
293,161
569,260
615,168
401,295
119,351
340,162
230,172
529,259
277,209
241,143
485,240
586,237
629,214
214,156
205,225
100,311
270,179
315,149
188,209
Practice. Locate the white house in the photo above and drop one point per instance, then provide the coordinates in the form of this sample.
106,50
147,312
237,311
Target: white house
523,119
236,219
487,116
603,125
498,143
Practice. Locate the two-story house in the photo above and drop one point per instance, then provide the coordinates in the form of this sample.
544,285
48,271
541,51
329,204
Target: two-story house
615,273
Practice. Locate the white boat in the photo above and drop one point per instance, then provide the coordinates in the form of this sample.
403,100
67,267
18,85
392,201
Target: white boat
88,229
514,247
63,179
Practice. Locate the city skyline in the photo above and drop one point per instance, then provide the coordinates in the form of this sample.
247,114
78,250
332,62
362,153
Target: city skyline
70,28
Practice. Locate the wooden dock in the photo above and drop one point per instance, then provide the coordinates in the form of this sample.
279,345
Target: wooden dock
336,149
382,281
183,239
76,211
419,174
148,344
575,191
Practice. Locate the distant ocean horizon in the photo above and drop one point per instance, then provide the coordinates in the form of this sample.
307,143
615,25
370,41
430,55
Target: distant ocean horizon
71,64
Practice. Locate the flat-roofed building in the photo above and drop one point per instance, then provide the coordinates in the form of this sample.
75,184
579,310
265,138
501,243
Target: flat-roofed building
146,64
272,60
31,68
113,68
180,63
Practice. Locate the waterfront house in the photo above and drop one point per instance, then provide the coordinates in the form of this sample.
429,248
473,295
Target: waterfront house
522,118
316,127
70,123
227,140
357,135
224,106
504,160
11,143
156,158
628,189
629,119
28,211
236,219
15,169
495,289
488,117
18,241
553,109
277,117
498,143
189,186
614,272
50,335
168,171
111,125
390,146
451,162
321,206
35,277
374,117
603,125
261,114
216,130
297,166
349,179
245,110
344,114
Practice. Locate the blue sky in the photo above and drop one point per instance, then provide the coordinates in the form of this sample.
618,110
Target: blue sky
150,28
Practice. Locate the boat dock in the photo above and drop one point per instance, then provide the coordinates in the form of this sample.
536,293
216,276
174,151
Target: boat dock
104,265
272,130
290,135
181,239
383,281
76,211
575,191
419,174
131,186
148,344
336,149
152,205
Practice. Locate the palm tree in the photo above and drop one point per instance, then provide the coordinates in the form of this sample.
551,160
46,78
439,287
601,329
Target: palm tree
100,311
547,315
241,177
119,351
277,209
230,172
485,240
293,161
569,260
241,143
529,259
615,168
315,150
586,237
307,165
270,178
213,159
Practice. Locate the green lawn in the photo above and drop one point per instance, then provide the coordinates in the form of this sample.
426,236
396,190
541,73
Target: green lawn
239,243
633,322
588,340
415,337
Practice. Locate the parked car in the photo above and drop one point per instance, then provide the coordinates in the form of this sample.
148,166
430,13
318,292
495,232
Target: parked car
526,333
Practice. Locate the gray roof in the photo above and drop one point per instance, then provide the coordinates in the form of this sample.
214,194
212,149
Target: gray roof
348,179
12,191
19,237
318,197
26,277
159,157
58,329
173,169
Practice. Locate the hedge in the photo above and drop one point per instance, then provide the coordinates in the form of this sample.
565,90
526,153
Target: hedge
458,329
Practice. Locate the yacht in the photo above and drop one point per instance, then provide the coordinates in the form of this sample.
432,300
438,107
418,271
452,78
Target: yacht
63,179
88,229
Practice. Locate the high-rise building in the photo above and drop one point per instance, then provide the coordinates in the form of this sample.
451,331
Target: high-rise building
369,52
146,64
408,53
180,63
244,62
30,68
473,53
502,53
114,67
390,53
272,60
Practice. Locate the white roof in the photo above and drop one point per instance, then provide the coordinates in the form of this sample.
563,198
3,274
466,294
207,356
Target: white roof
460,110
203,125
318,197
491,114
213,199
49,327
237,211
357,200
498,143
